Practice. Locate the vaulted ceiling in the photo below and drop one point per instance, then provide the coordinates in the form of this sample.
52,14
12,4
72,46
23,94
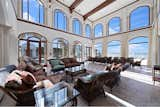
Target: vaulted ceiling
95,9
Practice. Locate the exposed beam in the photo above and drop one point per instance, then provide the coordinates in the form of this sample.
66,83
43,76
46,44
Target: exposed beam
101,6
74,5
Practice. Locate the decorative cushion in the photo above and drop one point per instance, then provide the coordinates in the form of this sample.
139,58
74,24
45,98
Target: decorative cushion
66,60
54,62
61,63
58,67
20,80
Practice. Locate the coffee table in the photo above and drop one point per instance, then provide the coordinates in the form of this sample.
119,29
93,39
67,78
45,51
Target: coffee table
58,95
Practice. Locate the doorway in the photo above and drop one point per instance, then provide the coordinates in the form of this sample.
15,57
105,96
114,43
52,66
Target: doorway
33,46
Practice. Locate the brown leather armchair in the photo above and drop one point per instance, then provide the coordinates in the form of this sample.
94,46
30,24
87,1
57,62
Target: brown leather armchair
22,98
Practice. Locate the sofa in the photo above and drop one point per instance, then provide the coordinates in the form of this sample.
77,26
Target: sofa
91,86
23,97
10,97
70,62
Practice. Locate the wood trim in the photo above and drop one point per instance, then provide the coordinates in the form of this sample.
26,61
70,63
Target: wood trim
101,6
74,5
125,32
115,11
42,25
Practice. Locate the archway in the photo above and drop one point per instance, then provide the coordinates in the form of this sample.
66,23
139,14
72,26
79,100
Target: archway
34,46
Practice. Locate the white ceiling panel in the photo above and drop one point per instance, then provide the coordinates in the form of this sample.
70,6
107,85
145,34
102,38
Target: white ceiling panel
110,8
67,2
88,5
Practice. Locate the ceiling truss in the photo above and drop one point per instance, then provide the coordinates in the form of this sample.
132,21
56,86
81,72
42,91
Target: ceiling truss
74,5
101,6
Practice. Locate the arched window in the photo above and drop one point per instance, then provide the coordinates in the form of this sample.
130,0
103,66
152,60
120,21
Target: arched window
98,49
139,17
34,46
114,49
138,47
88,30
60,48
77,50
33,10
77,27
98,30
114,25
60,20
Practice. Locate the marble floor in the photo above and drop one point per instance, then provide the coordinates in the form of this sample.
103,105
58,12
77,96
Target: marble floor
135,89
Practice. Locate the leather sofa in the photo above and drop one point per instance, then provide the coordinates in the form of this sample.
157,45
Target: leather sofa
13,97
70,62
91,86
23,97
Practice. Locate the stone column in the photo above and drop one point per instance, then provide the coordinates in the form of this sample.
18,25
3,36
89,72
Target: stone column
104,48
71,50
1,47
124,47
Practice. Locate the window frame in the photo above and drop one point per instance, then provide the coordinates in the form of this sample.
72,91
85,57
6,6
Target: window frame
28,12
138,43
66,42
80,26
119,25
87,25
95,47
149,20
118,44
65,18
95,29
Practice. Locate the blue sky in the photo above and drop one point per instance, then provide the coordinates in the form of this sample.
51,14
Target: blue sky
114,25
98,30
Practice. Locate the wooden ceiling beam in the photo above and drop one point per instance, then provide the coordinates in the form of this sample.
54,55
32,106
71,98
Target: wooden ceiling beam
74,5
101,6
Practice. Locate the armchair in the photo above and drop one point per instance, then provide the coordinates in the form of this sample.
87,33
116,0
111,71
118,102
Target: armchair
22,98
57,65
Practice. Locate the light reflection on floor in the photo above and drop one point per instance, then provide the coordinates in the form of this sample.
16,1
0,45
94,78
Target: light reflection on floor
125,103
138,77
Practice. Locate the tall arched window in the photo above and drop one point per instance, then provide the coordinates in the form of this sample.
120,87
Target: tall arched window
33,10
60,20
60,48
138,47
88,30
139,17
114,25
77,50
98,49
77,27
114,49
34,46
98,30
